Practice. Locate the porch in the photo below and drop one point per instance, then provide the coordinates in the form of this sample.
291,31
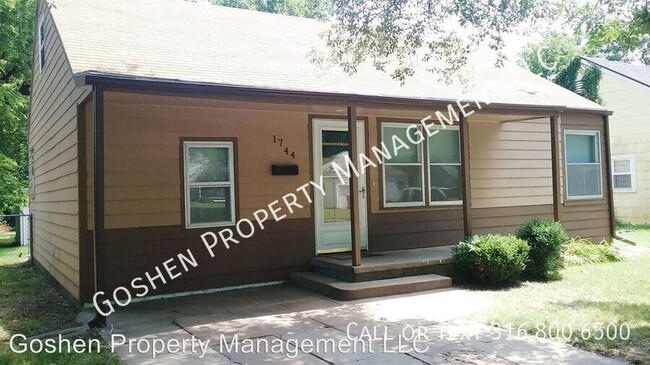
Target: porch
382,273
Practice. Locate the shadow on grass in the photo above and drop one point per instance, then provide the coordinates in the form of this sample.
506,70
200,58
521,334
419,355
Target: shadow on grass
633,345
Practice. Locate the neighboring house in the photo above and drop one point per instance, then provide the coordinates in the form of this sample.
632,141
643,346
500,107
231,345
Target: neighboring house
625,89
153,122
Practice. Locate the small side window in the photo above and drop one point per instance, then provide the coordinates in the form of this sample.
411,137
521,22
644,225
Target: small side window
41,44
623,173
583,169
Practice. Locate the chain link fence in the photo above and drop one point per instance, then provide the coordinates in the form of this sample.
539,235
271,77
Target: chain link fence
21,225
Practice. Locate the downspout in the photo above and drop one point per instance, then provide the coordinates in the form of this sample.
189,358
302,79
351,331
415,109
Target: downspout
610,183
98,186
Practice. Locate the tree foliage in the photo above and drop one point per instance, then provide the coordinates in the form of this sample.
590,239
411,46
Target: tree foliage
395,35
614,29
16,36
316,9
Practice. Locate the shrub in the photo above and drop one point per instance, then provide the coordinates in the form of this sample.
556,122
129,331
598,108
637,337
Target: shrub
546,240
580,251
494,259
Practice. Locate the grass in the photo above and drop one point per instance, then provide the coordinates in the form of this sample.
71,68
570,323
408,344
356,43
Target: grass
29,305
587,298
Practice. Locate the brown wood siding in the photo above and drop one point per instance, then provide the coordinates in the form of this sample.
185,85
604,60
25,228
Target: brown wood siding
505,220
270,255
143,134
53,142
398,230
510,163
585,218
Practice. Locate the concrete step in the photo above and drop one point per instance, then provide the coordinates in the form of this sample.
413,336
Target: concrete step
380,268
343,290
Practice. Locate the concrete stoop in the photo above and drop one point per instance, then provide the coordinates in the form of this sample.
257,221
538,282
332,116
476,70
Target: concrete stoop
343,290
380,274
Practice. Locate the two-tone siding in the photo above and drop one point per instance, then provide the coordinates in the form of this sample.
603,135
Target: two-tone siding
53,146
585,218
510,174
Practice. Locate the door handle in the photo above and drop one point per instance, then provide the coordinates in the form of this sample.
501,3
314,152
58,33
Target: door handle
363,192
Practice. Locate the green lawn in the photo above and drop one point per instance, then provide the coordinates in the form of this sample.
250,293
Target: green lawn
587,300
29,305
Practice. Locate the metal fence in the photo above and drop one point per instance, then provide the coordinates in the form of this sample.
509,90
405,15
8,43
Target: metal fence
22,224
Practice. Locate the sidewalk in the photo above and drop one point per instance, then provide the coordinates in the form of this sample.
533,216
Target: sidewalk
283,324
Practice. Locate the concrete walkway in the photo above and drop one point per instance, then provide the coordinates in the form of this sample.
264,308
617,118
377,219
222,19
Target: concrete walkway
286,325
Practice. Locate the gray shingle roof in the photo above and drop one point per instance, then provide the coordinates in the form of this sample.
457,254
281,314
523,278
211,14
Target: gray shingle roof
638,73
186,42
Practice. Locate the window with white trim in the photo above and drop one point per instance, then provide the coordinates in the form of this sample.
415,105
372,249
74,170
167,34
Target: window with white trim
623,173
444,166
209,184
41,44
405,174
583,166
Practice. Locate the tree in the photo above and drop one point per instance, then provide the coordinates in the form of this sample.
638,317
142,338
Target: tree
614,29
316,9
395,35
16,36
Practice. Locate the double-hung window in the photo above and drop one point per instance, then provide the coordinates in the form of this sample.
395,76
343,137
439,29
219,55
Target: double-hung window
403,173
428,172
623,177
444,166
209,174
583,166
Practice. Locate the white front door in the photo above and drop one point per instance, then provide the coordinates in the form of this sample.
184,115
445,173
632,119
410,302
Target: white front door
332,210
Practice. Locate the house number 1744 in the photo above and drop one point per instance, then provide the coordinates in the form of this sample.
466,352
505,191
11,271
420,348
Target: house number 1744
286,149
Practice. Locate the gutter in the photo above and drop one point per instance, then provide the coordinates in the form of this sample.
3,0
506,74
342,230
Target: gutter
154,84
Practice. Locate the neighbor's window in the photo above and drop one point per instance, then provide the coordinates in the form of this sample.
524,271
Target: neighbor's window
403,173
41,44
623,177
209,184
444,166
583,168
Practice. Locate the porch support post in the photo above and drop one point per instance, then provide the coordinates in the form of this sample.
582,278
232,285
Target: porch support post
465,178
609,178
555,167
354,187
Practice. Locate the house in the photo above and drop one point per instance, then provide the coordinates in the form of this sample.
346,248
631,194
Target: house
154,123
625,89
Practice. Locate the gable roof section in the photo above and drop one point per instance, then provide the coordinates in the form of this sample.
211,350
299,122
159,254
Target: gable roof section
174,41
636,73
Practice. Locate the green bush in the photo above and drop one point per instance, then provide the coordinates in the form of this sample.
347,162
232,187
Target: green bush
580,251
494,259
546,240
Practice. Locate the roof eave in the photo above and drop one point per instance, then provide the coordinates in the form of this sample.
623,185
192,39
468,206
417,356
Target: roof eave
153,84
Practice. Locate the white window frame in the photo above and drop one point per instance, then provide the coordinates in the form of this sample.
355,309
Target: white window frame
230,184
599,163
460,164
42,57
632,173
387,162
